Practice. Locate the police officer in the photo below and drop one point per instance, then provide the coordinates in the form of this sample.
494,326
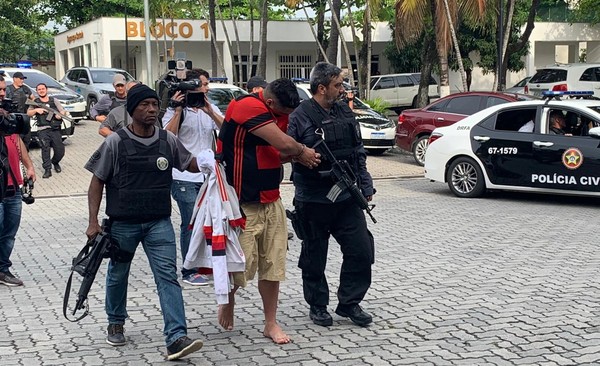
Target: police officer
326,115
19,92
135,164
107,103
49,133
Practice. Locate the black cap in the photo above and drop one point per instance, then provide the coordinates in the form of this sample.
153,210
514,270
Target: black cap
19,75
256,81
137,94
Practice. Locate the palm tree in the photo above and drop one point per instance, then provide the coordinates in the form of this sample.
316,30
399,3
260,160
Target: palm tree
412,17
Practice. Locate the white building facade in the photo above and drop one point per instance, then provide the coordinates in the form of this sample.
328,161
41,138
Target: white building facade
291,48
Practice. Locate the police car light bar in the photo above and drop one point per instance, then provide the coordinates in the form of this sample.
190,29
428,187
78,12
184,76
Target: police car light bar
299,80
217,80
24,64
552,94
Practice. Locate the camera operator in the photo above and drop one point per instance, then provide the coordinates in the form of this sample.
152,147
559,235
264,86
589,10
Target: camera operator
10,207
108,102
48,129
193,125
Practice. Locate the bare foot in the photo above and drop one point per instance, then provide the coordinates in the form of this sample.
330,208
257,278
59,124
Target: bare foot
225,315
275,332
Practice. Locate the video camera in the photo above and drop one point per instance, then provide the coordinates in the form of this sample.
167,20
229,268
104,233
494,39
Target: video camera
174,81
14,122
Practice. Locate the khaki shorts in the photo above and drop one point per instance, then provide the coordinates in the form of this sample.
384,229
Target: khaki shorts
264,242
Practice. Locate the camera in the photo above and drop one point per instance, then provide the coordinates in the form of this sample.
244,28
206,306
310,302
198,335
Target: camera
27,191
13,122
175,80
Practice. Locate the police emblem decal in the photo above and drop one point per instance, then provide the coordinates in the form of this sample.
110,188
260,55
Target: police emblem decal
162,163
572,158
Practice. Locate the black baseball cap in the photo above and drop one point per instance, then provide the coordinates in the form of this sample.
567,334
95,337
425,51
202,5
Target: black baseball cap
256,81
19,75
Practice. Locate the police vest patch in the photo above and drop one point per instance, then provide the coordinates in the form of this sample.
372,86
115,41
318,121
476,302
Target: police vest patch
162,163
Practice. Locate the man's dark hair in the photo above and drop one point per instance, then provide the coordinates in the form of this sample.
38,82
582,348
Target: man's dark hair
285,91
1,78
46,86
194,74
322,74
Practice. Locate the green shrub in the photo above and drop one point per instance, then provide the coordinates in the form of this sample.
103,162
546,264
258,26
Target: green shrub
379,105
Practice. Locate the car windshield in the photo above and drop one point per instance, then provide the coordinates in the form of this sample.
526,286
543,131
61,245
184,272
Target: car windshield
549,76
222,97
35,78
106,76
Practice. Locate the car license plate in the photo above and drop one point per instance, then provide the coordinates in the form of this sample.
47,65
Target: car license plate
538,93
68,108
377,135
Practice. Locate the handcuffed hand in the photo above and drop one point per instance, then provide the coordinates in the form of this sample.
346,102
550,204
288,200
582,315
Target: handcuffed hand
309,158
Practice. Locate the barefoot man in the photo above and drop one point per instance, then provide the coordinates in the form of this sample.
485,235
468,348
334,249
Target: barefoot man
253,148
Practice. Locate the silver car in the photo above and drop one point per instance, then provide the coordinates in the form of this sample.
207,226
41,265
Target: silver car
92,82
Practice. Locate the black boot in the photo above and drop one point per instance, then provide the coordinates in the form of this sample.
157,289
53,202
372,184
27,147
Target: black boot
57,168
320,316
47,173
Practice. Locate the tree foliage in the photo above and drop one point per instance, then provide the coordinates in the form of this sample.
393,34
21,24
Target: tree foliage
20,24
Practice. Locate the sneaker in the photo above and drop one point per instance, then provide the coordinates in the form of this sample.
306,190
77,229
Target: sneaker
196,279
8,279
57,168
182,347
115,336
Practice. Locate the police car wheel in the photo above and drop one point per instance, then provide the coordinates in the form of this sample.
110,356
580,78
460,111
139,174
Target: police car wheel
419,149
465,178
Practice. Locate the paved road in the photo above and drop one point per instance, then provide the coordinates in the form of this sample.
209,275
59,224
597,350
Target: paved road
509,279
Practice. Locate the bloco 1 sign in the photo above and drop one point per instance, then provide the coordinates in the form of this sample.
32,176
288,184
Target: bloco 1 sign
170,29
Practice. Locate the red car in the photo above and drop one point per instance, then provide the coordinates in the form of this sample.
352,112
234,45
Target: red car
415,125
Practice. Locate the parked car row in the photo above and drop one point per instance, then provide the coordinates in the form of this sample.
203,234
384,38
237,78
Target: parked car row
416,125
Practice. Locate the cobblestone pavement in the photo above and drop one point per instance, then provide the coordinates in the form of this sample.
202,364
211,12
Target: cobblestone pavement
509,279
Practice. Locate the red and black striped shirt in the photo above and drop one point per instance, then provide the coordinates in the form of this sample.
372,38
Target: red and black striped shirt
252,165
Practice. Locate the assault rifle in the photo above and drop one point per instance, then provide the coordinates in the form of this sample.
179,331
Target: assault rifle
51,111
87,264
344,179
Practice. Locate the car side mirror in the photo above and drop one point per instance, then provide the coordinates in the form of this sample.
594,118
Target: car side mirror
594,132
83,81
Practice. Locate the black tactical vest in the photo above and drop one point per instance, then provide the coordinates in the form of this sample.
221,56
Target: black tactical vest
116,103
341,133
42,119
141,190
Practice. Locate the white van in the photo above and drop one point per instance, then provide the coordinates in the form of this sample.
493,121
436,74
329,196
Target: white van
400,90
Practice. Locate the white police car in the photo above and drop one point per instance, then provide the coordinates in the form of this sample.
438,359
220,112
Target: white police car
487,151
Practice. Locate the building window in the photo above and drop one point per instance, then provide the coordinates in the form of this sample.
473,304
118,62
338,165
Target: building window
244,67
294,66
374,65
